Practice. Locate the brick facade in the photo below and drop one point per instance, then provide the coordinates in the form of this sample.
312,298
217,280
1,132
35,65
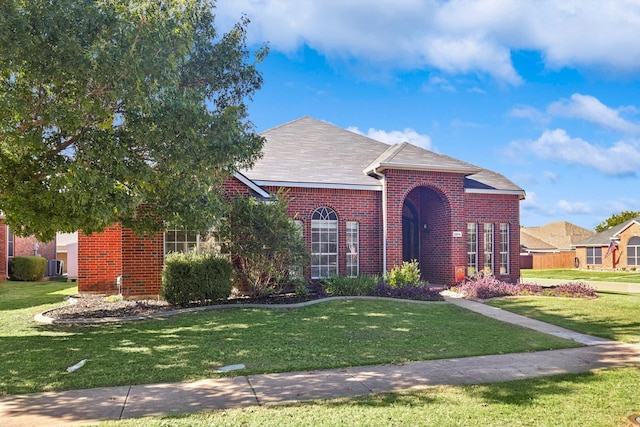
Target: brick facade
618,259
443,209
3,250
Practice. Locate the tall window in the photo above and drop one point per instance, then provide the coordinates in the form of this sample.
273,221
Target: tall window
594,255
472,248
324,243
633,251
353,249
10,242
488,248
180,240
504,248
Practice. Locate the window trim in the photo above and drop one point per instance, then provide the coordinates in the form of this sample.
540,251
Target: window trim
352,237
488,247
324,223
633,243
11,243
505,254
472,248
595,255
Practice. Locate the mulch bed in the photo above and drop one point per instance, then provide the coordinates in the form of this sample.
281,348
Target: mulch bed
91,306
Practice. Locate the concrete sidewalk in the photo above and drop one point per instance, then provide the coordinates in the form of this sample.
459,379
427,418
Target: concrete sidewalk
601,286
114,403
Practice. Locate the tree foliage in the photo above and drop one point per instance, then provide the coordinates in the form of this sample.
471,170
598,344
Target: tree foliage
264,243
108,104
616,219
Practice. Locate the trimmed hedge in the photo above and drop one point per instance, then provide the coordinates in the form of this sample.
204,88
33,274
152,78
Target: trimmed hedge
191,278
27,268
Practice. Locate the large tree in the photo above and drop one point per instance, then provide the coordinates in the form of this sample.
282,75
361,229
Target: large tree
109,105
616,219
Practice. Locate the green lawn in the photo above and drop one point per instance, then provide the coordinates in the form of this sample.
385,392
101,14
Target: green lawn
613,315
574,274
599,399
191,346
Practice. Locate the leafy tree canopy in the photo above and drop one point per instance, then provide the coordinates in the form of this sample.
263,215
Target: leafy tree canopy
616,219
109,104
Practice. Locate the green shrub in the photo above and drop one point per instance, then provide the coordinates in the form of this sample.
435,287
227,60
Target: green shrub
351,286
406,274
27,268
266,246
189,277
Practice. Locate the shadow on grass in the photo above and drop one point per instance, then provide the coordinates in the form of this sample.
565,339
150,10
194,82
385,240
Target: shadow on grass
613,316
16,295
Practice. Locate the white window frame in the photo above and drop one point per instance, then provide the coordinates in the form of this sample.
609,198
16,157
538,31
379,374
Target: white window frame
175,243
504,248
11,243
633,252
324,243
488,248
353,248
472,248
594,253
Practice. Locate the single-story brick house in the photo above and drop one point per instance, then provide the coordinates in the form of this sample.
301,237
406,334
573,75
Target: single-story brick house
615,248
364,207
12,246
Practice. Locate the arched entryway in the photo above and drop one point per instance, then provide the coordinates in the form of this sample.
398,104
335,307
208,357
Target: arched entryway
426,233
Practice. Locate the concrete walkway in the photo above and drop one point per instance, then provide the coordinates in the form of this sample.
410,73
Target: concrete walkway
601,286
77,407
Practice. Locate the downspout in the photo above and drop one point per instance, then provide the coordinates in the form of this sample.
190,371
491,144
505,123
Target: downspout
384,223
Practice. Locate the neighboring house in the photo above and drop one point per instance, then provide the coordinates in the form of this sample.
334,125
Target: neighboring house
364,207
550,245
615,248
557,236
12,246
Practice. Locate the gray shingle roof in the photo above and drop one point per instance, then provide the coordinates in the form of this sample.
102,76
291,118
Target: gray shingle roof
604,238
310,152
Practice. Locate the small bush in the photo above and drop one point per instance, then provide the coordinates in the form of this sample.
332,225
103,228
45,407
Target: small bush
412,292
490,287
487,287
406,274
350,286
189,277
572,290
27,268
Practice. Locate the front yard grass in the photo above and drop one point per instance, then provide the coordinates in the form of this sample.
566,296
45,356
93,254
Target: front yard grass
191,346
602,398
613,315
577,275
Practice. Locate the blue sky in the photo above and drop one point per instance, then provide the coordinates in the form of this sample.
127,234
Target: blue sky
545,92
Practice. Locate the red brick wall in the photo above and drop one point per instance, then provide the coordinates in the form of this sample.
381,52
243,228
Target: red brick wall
23,246
350,205
142,261
496,209
440,199
3,250
100,261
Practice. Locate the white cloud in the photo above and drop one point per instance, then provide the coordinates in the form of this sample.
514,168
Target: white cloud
623,158
552,177
589,108
438,83
574,207
396,136
529,113
456,36
531,205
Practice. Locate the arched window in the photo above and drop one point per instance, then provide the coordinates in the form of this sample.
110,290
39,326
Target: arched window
324,243
633,251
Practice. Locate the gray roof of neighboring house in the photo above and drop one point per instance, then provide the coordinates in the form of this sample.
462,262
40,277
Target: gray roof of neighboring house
604,238
534,244
312,153
560,234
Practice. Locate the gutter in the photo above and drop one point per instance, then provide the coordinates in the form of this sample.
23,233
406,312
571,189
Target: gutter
384,222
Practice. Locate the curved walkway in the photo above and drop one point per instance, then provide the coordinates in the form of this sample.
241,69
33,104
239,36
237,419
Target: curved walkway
114,403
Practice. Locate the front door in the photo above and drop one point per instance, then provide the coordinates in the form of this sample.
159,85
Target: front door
410,233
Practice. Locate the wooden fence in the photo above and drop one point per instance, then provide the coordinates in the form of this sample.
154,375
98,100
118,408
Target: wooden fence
548,261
